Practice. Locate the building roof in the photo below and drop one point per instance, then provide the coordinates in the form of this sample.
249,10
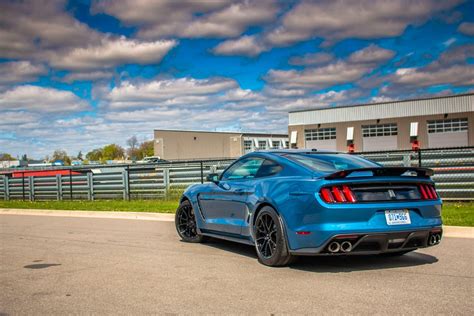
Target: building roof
223,132
403,108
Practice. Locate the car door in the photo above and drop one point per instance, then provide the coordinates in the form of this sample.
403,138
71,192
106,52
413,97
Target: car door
224,206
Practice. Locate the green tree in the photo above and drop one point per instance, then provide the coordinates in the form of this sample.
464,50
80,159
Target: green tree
6,157
79,155
145,149
60,154
95,154
112,151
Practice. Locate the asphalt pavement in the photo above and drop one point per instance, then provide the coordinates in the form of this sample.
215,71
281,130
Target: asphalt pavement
71,265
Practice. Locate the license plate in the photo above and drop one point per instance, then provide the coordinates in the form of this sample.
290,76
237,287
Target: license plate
397,217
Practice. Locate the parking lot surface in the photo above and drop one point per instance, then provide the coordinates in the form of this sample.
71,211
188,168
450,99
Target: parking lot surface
58,265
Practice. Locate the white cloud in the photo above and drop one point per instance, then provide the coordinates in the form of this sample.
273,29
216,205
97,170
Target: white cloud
113,52
311,101
166,92
20,71
247,45
18,118
232,20
466,28
311,59
39,99
357,65
87,76
31,27
458,75
371,54
283,93
335,20
218,19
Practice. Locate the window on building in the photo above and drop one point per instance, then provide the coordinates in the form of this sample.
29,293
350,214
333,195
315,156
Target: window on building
320,133
262,144
447,126
287,144
275,144
247,145
379,130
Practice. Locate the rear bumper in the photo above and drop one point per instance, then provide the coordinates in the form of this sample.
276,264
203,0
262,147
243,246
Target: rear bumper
377,242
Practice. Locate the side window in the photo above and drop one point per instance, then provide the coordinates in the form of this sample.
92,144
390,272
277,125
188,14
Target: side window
268,168
243,169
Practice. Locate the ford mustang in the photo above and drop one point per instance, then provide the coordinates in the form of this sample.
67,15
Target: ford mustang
289,203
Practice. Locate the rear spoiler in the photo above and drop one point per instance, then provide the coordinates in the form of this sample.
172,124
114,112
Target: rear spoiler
382,172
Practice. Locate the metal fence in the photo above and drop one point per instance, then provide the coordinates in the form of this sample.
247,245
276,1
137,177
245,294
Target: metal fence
454,177
453,167
110,182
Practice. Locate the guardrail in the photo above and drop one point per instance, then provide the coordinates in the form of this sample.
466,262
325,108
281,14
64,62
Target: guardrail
454,177
110,182
453,167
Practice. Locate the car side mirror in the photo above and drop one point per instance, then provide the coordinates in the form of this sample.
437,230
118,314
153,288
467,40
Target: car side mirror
213,177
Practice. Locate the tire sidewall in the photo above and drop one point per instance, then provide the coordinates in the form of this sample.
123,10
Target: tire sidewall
198,237
281,255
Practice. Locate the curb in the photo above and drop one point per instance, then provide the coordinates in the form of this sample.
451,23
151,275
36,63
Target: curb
163,217
448,231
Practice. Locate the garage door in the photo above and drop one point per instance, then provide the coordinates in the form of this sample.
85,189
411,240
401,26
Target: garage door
454,139
321,138
447,133
379,143
379,137
329,144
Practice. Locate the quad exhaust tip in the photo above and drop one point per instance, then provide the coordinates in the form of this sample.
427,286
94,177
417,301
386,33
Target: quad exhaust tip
435,239
334,247
346,246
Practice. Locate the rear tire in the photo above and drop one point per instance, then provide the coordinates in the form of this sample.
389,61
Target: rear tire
270,239
185,221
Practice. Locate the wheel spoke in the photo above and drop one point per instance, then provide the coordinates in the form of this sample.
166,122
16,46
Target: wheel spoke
187,222
266,235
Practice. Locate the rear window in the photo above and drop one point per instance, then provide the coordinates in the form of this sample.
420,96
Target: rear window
330,163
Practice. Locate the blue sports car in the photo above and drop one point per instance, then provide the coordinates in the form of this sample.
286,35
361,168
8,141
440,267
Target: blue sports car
296,202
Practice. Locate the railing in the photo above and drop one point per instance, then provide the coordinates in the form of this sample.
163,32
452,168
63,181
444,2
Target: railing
454,177
110,182
453,167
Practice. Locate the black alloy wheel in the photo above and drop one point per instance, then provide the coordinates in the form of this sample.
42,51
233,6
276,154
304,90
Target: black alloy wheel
266,235
270,239
185,222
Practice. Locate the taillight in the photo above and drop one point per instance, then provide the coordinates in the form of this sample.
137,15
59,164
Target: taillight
428,192
327,195
337,194
348,194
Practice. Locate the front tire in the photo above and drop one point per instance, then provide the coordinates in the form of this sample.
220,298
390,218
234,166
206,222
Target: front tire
270,239
185,221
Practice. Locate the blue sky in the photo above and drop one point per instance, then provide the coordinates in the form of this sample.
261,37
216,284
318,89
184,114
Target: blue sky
77,75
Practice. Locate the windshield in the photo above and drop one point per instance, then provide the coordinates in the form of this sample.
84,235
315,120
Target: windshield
330,163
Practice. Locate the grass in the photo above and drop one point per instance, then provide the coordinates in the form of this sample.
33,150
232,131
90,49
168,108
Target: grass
157,206
454,213
458,213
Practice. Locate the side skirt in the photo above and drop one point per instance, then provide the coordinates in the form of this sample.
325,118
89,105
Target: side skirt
219,235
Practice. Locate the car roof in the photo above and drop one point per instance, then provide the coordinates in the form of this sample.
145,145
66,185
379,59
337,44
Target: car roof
297,151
